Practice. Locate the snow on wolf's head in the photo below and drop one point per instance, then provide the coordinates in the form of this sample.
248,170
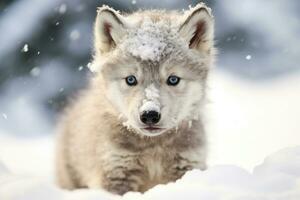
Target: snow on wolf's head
154,65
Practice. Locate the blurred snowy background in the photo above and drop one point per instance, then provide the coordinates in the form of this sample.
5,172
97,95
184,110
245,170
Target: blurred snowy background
45,47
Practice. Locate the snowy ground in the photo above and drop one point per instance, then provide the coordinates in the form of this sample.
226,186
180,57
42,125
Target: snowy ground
278,178
246,121
249,120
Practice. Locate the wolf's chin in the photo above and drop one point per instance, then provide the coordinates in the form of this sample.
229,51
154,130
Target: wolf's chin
148,131
151,133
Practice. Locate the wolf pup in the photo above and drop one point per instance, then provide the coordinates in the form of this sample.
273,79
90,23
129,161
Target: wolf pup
139,123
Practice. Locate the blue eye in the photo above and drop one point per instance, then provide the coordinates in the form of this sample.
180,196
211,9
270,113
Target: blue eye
173,80
131,80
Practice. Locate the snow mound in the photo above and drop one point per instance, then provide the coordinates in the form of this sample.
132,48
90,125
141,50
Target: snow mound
278,178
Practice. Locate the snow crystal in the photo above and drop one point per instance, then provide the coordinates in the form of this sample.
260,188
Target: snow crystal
80,8
62,8
150,106
38,53
4,115
126,124
80,68
151,102
25,48
75,35
152,92
36,71
133,2
57,23
89,65
248,57
94,67
200,5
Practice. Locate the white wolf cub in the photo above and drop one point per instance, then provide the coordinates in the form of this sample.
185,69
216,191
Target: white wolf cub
139,123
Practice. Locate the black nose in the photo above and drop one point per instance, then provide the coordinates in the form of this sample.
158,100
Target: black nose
150,117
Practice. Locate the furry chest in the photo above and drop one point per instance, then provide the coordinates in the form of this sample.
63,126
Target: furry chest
154,163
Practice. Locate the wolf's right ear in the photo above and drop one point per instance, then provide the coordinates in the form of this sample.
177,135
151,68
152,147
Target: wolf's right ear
197,28
109,29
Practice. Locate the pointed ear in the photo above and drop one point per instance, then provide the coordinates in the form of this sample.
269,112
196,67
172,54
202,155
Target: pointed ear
109,29
197,28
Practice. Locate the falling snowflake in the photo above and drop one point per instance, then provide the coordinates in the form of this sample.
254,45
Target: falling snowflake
80,68
36,71
133,2
57,23
4,115
75,35
89,65
25,48
62,8
248,57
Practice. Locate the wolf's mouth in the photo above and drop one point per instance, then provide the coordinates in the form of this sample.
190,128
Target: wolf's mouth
153,130
150,128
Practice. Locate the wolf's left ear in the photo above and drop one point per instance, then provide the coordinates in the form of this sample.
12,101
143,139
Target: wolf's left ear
109,29
197,28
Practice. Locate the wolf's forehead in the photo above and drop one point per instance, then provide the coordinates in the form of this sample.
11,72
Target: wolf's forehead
151,41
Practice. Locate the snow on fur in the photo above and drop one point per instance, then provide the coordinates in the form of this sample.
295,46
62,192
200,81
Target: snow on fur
151,103
151,41
277,178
